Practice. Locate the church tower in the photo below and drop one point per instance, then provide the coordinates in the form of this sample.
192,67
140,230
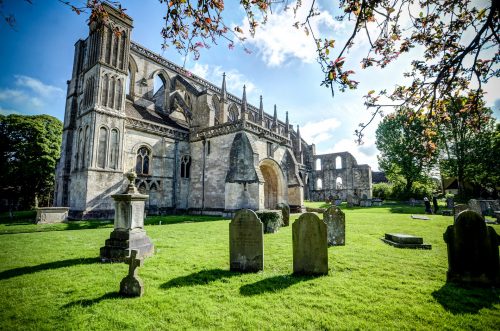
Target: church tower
94,120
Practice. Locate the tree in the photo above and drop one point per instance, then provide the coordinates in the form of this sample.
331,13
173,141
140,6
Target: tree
466,137
407,149
30,148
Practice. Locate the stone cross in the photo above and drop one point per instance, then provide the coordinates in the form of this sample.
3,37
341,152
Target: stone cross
132,285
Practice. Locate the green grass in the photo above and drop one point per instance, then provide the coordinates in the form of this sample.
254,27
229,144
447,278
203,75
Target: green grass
53,280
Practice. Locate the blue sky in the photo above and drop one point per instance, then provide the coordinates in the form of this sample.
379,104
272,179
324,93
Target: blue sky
37,59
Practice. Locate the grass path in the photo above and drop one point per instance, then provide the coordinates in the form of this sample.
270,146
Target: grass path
53,280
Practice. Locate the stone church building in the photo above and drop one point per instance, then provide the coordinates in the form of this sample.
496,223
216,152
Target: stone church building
195,147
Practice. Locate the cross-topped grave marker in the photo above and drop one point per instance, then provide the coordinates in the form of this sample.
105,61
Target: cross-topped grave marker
132,285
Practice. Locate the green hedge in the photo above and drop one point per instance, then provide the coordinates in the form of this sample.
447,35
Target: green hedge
272,220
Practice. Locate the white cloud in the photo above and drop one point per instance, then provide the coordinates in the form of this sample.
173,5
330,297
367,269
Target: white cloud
20,98
317,132
43,90
278,41
234,79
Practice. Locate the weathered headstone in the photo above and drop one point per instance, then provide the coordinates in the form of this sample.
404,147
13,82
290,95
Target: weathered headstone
285,211
401,240
335,224
450,203
457,209
310,248
128,233
246,242
472,250
377,202
132,285
474,205
51,214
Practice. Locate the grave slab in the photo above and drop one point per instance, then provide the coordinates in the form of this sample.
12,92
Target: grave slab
401,240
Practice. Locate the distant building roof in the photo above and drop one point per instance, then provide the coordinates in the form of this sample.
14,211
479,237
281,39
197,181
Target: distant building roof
378,177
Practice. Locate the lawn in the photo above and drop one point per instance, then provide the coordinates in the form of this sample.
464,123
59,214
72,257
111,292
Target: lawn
54,280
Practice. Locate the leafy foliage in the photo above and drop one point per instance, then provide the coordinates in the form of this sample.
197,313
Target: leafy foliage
29,149
408,147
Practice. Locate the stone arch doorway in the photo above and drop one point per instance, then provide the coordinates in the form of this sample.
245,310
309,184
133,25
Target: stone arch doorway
274,191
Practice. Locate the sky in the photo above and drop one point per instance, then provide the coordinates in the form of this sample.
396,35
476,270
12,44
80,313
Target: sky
37,60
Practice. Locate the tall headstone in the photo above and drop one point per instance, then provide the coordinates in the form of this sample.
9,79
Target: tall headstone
335,224
474,205
472,250
457,209
310,248
450,203
128,233
132,285
285,211
246,242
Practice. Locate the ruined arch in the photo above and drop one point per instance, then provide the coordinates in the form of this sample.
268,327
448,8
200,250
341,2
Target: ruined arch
274,183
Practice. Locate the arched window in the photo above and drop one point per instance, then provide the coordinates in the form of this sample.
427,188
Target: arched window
185,166
103,146
318,164
338,162
232,115
109,43
119,100
142,161
319,184
105,89
114,148
338,183
112,90
122,55
116,42
85,152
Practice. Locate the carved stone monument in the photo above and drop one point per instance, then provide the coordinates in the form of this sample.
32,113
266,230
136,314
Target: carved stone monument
310,249
335,224
132,285
246,242
472,250
128,233
402,240
285,210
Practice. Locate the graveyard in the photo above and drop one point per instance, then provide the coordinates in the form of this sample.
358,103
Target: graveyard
51,277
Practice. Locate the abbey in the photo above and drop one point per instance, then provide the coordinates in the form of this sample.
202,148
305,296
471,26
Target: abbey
194,146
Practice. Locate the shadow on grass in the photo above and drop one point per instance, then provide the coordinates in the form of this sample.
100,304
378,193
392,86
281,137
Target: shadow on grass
199,278
459,299
91,302
90,224
6,274
273,284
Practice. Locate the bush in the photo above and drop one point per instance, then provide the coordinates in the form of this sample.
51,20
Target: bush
382,190
271,219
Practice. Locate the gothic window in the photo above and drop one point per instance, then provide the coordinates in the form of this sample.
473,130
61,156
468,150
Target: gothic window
215,104
232,115
112,90
114,148
318,164
79,148
122,57
185,166
119,100
85,151
116,41
109,43
120,52
142,161
338,183
270,149
338,162
103,145
319,184
105,88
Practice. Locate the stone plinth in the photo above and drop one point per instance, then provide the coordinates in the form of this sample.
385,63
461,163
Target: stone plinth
246,242
472,250
310,249
401,240
51,215
128,233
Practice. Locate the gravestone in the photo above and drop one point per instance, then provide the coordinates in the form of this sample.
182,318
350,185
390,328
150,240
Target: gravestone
285,211
377,202
128,233
132,285
457,209
472,250
474,205
246,242
450,203
401,240
310,247
51,215
335,224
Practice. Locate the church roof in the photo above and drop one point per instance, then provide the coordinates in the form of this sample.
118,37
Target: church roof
142,113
